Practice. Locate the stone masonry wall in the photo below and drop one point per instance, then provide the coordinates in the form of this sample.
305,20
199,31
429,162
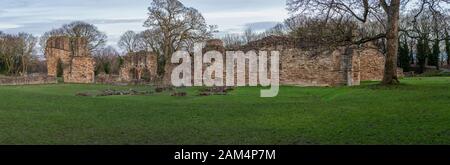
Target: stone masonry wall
78,65
82,70
372,64
305,67
314,67
302,67
327,68
31,79
138,66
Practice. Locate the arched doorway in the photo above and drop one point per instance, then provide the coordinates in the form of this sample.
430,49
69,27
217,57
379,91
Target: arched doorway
60,70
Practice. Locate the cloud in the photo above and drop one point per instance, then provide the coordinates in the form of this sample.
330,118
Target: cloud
114,21
261,26
114,17
39,28
36,28
8,26
15,3
233,5
255,26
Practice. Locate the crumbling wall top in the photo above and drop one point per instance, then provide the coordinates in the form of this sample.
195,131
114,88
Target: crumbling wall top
78,46
58,42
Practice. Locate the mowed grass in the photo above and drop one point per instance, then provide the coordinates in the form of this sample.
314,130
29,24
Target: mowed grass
416,112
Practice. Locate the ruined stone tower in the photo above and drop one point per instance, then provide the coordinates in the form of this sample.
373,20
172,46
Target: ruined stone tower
75,58
139,66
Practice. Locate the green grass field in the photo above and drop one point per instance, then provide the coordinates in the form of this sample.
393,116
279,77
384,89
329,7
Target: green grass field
416,112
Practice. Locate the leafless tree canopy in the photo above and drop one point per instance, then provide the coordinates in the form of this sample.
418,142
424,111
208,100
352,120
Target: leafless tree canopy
427,21
232,40
130,41
176,27
151,40
385,13
95,37
107,60
17,53
373,15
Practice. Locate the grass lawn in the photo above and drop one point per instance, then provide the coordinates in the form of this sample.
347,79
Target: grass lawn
416,112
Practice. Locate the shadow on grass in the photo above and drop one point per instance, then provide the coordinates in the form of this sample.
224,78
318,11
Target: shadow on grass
376,85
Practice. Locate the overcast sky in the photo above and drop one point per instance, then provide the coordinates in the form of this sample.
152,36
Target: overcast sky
117,16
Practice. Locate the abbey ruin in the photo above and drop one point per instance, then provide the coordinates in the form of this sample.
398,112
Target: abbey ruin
74,56
302,66
139,66
298,66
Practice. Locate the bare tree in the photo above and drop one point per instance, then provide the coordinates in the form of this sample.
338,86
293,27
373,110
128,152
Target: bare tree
16,52
177,26
107,60
385,12
249,35
130,41
96,39
151,40
9,52
316,32
232,40
427,25
279,30
26,49
44,37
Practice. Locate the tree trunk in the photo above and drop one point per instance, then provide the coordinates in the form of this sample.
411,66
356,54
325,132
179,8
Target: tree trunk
390,69
438,64
24,65
167,66
167,77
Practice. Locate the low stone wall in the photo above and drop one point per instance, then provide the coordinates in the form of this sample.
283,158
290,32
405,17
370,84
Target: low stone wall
107,79
28,80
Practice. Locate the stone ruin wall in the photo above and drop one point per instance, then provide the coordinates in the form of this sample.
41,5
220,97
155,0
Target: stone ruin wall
329,68
303,67
30,79
343,66
78,65
298,66
372,64
139,65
